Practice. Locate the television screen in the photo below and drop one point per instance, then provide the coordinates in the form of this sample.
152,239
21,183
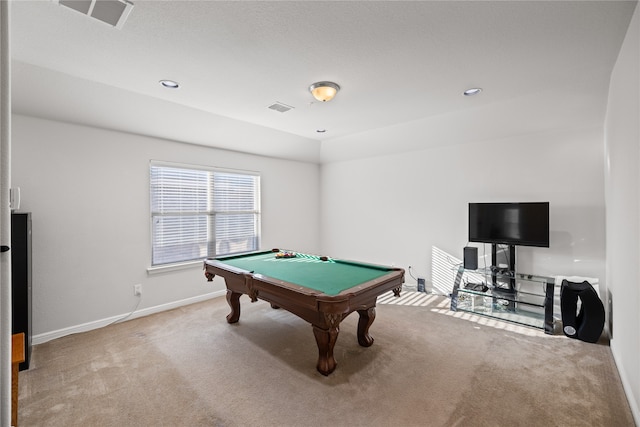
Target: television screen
522,224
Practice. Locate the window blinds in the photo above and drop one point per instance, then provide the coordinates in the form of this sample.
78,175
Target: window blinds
198,213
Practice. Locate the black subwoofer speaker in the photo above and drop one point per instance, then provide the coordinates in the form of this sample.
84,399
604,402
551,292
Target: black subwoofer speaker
587,322
470,258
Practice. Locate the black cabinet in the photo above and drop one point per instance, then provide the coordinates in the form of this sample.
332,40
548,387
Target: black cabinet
21,280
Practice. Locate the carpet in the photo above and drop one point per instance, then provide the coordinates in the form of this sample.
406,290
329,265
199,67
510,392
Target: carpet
428,366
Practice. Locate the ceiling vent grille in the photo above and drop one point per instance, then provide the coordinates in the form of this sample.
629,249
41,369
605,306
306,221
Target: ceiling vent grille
280,107
112,12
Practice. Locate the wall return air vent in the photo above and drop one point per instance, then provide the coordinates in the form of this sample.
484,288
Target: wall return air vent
112,12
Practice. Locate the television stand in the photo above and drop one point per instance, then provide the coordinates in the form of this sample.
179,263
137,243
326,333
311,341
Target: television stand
503,291
526,300
510,270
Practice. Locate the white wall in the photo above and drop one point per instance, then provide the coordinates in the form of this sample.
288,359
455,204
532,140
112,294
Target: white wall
88,191
398,208
622,184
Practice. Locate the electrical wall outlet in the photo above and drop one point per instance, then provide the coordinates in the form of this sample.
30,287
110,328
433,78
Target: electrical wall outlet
137,290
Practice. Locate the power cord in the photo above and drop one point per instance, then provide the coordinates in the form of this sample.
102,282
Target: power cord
130,313
411,274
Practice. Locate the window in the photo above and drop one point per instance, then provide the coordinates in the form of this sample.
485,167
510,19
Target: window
202,212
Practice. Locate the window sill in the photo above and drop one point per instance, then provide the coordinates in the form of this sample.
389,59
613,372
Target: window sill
158,269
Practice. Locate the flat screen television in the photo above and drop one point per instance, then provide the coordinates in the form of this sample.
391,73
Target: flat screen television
519,224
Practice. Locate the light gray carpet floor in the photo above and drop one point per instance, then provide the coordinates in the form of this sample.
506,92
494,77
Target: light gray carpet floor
428,366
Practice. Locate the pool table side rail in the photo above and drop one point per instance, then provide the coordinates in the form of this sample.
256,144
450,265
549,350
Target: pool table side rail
341,261
241,255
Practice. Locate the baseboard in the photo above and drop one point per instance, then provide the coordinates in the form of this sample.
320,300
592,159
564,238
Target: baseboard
631,398
48,336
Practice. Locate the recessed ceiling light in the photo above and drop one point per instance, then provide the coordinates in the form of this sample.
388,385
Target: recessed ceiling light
170,84
472,91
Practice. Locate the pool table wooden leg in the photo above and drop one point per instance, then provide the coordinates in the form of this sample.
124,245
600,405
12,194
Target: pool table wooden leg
233,299
326,340
366,319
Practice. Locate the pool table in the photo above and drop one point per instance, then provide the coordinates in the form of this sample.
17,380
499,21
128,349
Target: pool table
320,290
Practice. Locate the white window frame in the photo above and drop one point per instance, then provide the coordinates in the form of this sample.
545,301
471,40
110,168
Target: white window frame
213,215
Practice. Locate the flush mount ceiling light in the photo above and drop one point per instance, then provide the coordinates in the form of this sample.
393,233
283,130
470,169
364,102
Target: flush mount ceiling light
170,84
324,91
472,91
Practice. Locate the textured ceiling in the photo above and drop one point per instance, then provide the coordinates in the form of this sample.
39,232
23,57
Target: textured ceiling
398,63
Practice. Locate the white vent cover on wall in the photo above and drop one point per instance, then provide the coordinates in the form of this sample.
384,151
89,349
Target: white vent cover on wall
112,12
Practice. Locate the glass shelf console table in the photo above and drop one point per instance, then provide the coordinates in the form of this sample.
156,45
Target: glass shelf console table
525,299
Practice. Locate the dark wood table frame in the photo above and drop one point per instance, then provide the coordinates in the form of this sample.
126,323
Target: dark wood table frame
324,312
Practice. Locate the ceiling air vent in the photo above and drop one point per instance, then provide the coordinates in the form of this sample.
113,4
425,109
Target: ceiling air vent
280,107
112,12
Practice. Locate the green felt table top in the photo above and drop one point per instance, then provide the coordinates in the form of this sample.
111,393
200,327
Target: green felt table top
330,277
